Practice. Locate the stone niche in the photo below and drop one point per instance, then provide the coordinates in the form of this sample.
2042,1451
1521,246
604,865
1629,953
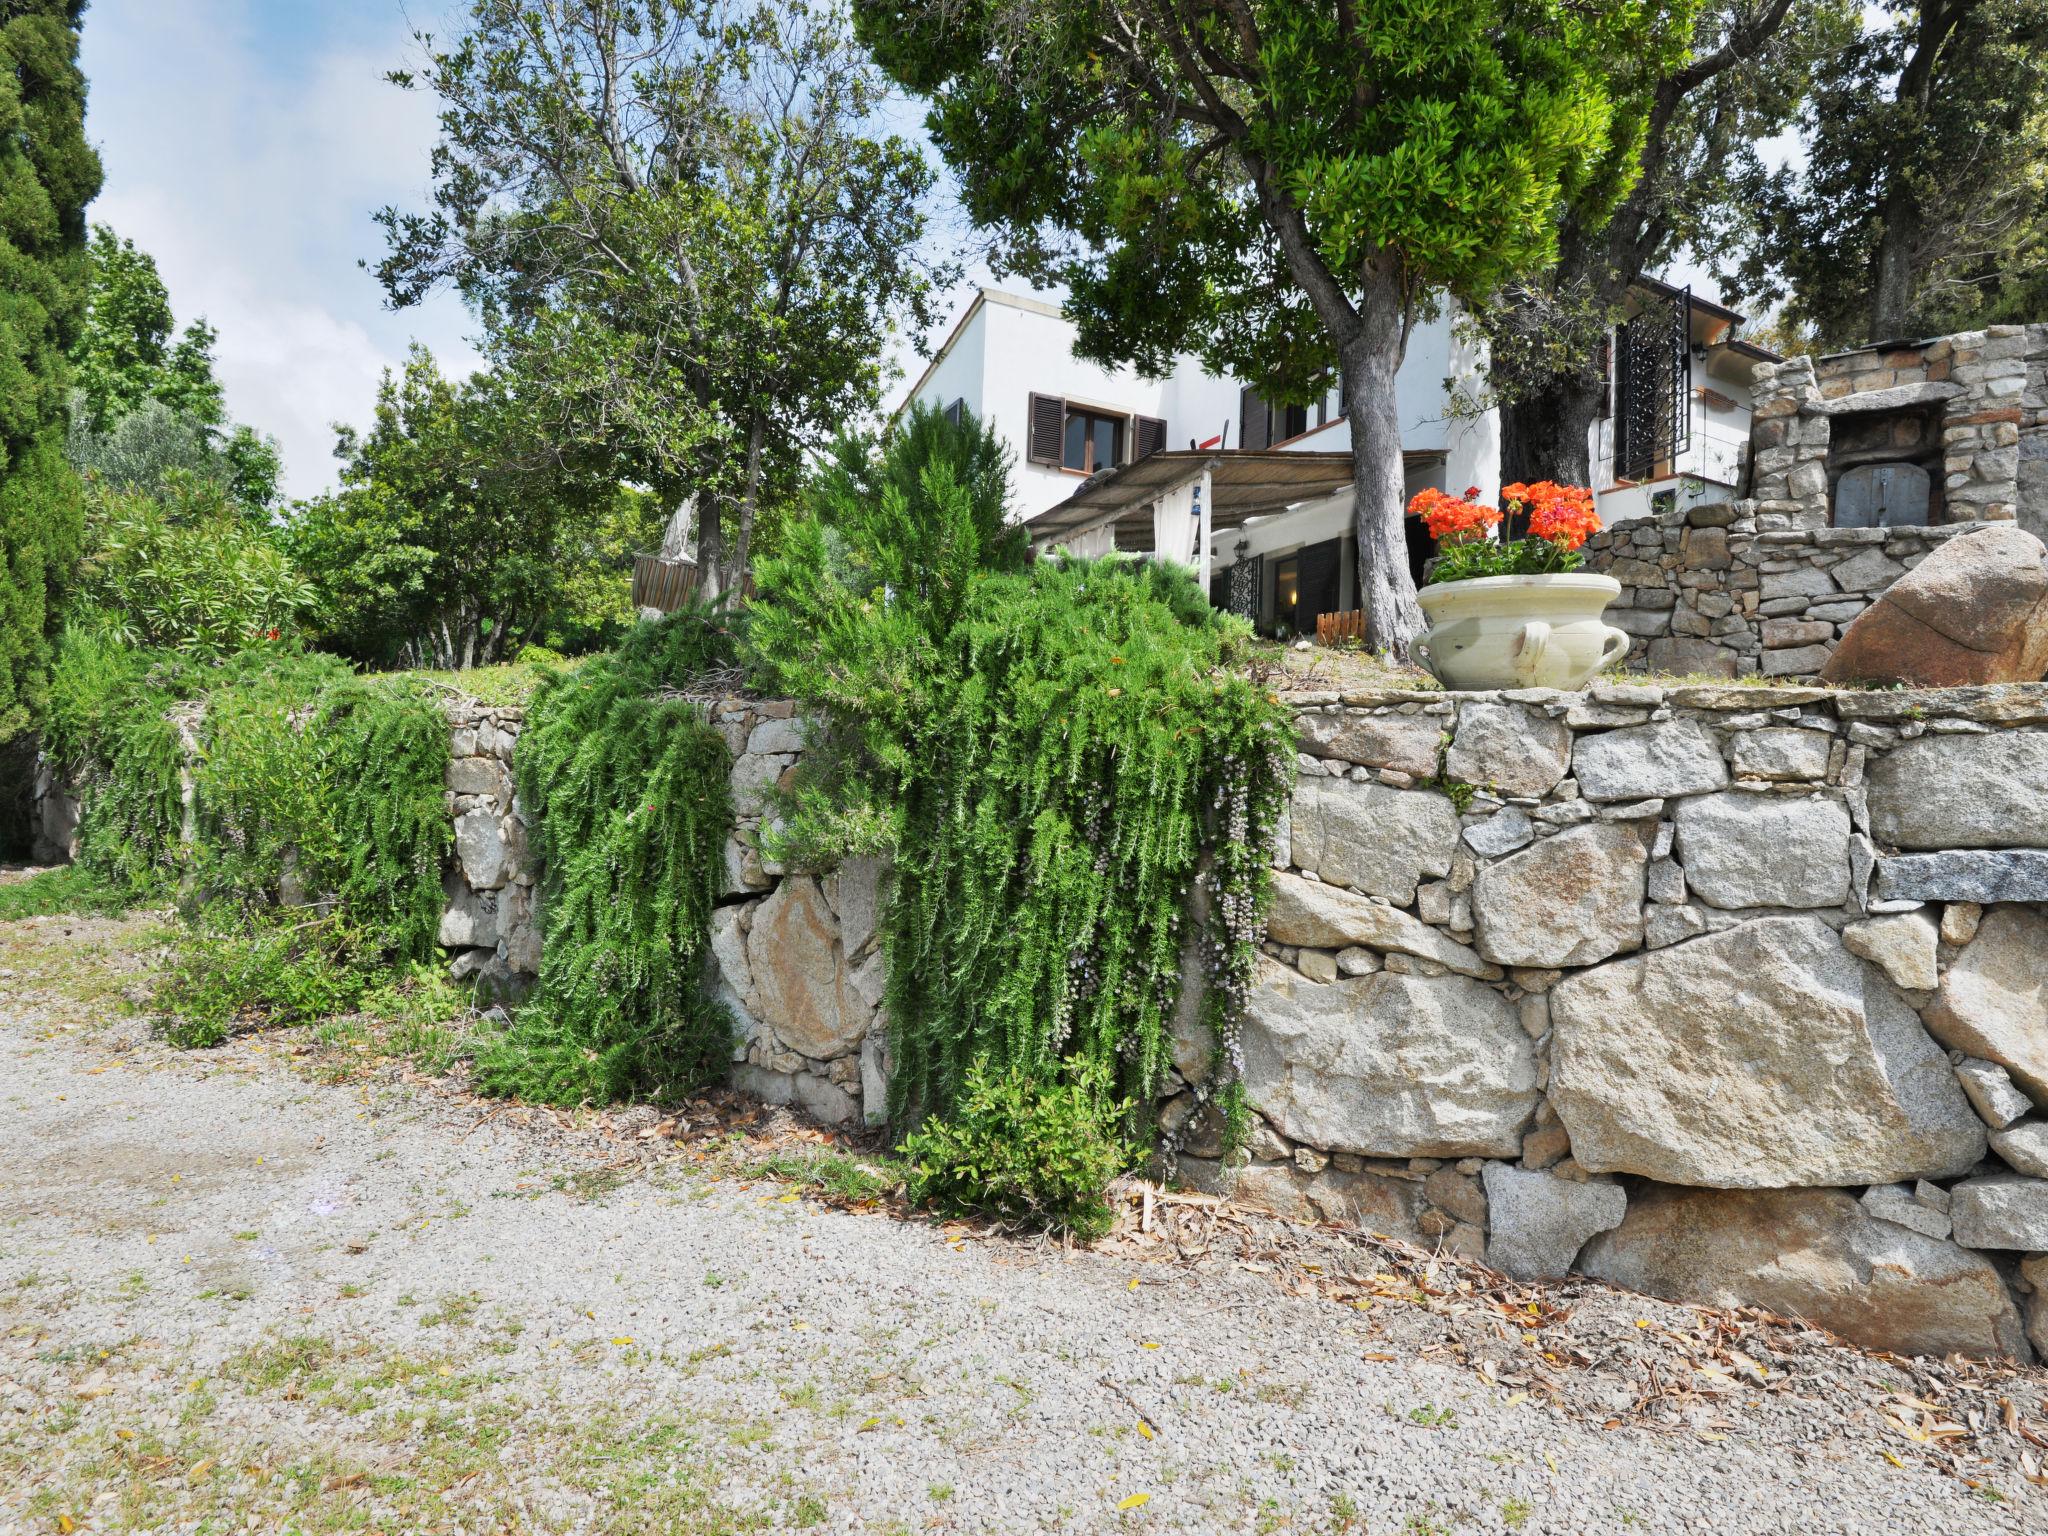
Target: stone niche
1899,435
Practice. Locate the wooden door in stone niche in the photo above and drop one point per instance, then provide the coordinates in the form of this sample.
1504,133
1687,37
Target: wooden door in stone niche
1882,496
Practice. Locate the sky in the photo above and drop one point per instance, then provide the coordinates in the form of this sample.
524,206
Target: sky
247,144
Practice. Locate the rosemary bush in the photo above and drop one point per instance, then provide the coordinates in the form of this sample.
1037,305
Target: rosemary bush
626,785
1053,756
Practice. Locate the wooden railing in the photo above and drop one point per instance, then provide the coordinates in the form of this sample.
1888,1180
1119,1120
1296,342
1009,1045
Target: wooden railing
1333,627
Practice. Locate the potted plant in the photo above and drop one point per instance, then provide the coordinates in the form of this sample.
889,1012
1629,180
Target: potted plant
1515,614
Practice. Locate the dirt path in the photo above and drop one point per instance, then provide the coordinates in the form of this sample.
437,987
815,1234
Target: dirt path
232,1298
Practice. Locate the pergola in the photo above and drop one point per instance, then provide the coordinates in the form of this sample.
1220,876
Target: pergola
1168,504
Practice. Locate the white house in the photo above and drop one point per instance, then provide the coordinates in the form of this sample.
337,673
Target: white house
1276,544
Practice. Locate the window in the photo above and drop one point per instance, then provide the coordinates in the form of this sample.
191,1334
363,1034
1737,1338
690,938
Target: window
1064,434
1261,424
1092,442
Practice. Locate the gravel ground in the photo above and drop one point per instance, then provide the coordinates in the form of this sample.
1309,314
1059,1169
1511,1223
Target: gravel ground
232,1297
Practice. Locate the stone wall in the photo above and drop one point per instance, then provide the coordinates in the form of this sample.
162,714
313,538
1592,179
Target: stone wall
1979,392
1734,995
794,956
1707,591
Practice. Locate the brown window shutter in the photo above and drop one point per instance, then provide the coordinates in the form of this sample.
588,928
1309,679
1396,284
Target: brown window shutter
1253,427
1048,422
1148,436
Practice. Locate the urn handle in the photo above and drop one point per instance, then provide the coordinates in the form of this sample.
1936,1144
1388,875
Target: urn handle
1530,645
1618,642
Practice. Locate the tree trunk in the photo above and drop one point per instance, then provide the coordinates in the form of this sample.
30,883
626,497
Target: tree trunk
1372,356
1891,295
742,551
1546,434
710,547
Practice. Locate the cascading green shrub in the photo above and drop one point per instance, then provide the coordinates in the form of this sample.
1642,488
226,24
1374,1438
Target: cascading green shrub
304,777
625,784
1095,747
1021,1147
1053,757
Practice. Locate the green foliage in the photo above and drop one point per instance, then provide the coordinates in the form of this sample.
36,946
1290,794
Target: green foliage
229,974
1051,756
1284,186
144,403
1023,1149
1925,150
1463,559
688,232
457,537
186,570
857,1182
67,888
316,822
48,173
625,784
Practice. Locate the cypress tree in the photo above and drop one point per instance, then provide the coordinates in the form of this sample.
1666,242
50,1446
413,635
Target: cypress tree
48,173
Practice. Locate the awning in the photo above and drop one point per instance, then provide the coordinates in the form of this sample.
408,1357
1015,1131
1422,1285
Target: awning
1242,484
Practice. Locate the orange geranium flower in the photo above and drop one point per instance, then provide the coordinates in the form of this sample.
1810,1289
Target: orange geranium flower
1450,517
1559,514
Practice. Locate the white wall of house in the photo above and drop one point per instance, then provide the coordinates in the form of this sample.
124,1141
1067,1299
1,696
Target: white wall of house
1008,347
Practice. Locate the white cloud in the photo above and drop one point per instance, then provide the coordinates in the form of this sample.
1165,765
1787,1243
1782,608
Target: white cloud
246,148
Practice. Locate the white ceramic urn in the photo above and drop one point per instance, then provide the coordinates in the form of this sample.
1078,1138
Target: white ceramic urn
1520,631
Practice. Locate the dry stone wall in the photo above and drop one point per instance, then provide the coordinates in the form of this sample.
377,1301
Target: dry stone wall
1707,591
1731,994
794,956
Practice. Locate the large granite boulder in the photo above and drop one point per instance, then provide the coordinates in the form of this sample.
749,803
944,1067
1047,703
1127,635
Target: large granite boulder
801,988
1974,611
1761,1057
1971,791
1571,899
1815,1254
1993,1002
1372,838
1742,849
1389,1065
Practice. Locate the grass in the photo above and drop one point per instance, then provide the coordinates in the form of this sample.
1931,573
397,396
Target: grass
65,889
855,1182
505,685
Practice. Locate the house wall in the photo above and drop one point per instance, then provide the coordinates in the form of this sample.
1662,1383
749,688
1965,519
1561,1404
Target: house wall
1012,347
1712,467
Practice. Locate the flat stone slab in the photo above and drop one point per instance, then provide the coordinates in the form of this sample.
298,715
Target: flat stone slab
1946,792
1648,762
1747,850
1979,875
